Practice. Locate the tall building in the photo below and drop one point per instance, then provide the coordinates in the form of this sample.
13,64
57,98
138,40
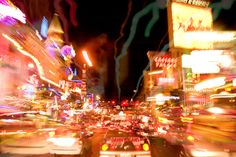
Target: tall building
54,40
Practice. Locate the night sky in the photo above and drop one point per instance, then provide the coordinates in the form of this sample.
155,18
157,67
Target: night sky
96,26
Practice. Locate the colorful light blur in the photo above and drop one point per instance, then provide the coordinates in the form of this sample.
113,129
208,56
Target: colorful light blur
6,10
36,61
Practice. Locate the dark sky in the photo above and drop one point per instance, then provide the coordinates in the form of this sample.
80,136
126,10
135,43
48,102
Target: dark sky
96,26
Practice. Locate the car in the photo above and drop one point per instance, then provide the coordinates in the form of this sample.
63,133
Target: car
25,132
220,113
123,144
65,141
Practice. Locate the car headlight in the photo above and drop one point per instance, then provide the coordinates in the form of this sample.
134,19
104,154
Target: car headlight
145,147
105,147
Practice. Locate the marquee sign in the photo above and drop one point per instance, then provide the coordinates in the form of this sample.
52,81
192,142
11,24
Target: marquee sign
165,62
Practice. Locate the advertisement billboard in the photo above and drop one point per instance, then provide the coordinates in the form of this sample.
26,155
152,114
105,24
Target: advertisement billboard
184,19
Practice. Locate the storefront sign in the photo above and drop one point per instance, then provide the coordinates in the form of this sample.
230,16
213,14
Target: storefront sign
165,62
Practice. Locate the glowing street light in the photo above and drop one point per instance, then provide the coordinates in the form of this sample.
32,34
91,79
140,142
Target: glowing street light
86,57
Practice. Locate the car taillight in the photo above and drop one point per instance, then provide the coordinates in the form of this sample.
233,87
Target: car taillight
105,147
145,147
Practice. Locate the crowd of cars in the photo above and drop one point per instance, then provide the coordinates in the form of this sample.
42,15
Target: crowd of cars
128,130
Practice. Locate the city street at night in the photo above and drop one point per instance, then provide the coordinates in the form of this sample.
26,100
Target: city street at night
147,78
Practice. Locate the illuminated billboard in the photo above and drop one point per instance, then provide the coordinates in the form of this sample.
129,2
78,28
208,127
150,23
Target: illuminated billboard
209,61
184,19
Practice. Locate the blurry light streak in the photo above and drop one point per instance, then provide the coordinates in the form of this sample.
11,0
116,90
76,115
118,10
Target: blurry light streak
52,72
123,25
73,8
206,153
86,57
216,110
155,72
231,95
12,40
12,12
38,35
218,6
36,61
13,133
127,43
211,83
215,36
62,141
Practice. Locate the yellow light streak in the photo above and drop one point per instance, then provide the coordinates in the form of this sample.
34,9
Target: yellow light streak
155,72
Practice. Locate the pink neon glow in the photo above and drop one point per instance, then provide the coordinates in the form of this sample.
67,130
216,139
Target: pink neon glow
12,12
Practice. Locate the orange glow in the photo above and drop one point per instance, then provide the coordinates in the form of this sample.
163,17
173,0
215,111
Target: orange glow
145,147
216,110
86,57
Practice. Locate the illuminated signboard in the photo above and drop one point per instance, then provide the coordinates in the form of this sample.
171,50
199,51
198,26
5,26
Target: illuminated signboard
184,18
202,3
208,61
